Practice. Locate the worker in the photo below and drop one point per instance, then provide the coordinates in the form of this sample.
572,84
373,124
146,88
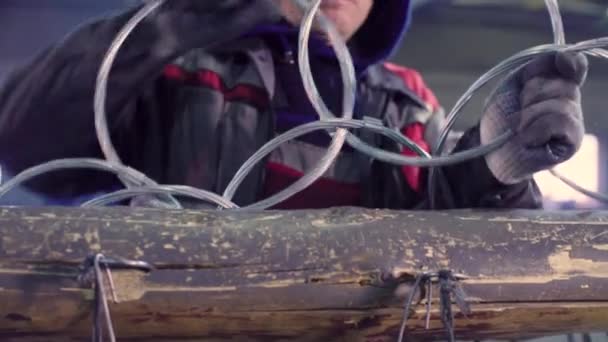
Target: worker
201,85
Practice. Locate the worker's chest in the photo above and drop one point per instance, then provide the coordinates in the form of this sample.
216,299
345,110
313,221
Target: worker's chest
223,112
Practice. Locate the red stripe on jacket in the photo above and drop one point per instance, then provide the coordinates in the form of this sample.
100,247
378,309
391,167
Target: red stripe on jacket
414,81
413,175
255,96
324,192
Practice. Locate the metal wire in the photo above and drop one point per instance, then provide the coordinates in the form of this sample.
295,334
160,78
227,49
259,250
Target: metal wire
161,190
356,124
101,89
591,194
139,184
100,97
349,83
349,80
350,86
127,173
592,47
559,36
102,302
408,304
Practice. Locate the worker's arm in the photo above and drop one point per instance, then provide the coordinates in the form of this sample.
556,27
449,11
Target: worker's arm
541,105
46,107
472,184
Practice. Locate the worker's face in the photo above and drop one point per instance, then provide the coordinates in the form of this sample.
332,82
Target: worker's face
347,15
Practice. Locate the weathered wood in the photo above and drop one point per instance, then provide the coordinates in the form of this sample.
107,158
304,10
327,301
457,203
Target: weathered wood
325,275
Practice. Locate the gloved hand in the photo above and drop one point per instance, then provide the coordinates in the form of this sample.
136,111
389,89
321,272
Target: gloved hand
248,9
541,104
201,23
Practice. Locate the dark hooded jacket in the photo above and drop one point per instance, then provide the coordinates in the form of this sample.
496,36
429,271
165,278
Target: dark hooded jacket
189,113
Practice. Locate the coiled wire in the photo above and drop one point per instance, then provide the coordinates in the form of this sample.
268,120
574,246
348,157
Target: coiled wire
142,185
325,114
353,141
356,124
128,174
161,190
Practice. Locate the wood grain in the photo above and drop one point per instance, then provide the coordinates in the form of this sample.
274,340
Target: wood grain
325,275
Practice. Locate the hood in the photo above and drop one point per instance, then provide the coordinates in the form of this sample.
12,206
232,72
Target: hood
375,41
382,32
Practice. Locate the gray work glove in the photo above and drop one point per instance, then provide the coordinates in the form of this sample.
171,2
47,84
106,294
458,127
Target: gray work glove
201,23
541,104
244,11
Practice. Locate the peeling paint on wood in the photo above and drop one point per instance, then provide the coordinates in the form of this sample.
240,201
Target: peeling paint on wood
601,247
320,275
563,264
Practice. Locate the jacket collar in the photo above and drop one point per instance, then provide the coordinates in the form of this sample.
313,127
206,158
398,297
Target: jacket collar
376,76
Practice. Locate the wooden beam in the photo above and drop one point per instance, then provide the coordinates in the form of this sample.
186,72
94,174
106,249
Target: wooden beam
327,275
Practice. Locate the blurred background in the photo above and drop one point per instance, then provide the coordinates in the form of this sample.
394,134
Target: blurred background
452,42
